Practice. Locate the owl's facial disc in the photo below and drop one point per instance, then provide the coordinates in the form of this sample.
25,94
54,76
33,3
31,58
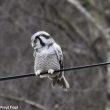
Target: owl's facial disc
41,39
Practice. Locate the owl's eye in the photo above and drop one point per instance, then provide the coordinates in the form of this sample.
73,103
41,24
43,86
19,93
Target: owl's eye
35,41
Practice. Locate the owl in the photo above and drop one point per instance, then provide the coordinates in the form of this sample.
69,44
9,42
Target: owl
48,58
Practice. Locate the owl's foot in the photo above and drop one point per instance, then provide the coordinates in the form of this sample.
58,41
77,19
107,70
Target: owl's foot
51,71
37,73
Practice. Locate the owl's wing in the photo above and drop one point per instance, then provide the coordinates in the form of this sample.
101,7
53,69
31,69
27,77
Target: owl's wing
59,54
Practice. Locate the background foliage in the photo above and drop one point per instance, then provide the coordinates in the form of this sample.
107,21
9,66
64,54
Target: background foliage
80,27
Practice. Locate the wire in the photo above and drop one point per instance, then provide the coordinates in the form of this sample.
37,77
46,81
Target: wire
65,69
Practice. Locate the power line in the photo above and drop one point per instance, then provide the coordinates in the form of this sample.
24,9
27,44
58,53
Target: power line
65,69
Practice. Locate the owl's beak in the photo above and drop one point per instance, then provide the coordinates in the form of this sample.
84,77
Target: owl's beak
32,44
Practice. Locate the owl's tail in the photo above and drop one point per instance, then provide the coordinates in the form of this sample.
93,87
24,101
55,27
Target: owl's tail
60,81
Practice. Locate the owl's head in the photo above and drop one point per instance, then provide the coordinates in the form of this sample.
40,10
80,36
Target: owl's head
41,39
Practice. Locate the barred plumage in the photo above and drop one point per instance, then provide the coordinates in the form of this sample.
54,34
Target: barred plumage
48,57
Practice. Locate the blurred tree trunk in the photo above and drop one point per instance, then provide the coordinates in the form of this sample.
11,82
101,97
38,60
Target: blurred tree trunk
82,43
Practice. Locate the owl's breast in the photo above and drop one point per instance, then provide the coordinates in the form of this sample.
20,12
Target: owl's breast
46,61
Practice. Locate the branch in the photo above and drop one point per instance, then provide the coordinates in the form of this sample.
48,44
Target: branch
88,16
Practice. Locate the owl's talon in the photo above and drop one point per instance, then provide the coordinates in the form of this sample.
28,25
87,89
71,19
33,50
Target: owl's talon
51,71
37,73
